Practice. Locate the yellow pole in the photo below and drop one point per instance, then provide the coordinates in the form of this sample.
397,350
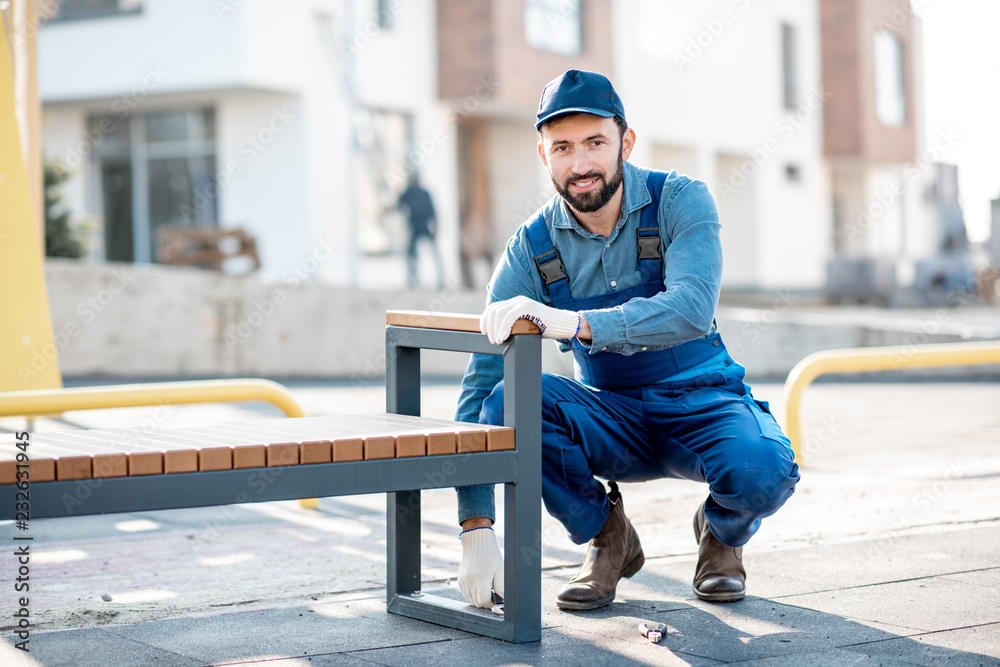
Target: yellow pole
874,359
27,108
33,159
30,357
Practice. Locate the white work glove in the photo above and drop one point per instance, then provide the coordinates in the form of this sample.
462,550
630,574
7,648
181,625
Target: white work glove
499,317
481,568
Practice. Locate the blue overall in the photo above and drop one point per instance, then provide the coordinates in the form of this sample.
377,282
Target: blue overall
682,412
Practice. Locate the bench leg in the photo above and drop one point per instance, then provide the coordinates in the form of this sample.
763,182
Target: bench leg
522,501
403,543
402,383
522,620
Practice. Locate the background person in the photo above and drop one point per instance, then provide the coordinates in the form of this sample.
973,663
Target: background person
422,225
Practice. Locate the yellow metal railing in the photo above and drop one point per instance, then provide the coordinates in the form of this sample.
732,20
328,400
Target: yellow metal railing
874,359
38,402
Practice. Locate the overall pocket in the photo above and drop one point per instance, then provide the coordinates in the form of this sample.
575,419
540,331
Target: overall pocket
765,420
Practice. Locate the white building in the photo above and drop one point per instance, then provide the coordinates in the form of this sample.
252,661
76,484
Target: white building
731,93
241,114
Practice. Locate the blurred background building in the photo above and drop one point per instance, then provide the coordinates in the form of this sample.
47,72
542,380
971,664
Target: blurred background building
300,122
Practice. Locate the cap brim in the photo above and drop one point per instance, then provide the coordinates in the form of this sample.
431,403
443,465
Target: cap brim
603,113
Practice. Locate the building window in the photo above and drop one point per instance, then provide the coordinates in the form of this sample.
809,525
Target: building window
554,25
890,92
789,67
70,10
153,170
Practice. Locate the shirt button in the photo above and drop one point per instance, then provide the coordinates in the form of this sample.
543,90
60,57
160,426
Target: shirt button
614,284
644,349
603,349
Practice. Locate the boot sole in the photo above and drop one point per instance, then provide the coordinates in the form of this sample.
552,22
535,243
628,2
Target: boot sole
628,572
719,597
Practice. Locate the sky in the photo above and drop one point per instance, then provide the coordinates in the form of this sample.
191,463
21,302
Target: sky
961,60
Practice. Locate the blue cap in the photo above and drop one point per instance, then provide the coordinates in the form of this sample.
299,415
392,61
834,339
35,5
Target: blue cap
577,91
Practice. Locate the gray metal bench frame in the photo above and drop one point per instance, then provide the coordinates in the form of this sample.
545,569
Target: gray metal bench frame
521,474
402,479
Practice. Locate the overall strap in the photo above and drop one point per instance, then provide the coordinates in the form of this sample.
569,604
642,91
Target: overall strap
649,260
555,282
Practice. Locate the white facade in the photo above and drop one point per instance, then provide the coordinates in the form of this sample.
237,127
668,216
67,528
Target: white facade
702,85
279,78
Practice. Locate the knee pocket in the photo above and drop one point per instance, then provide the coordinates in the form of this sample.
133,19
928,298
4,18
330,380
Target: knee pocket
766,423
760,490
766,475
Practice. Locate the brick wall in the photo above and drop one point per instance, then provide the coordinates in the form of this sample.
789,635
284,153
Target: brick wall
851,127
465,45
484,40
841,113
888,144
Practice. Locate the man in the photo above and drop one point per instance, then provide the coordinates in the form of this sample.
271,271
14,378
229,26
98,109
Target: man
623,267
421,216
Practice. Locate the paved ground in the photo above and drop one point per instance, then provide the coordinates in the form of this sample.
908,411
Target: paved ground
888,554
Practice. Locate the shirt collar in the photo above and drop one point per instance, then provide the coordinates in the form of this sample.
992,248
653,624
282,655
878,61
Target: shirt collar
636,196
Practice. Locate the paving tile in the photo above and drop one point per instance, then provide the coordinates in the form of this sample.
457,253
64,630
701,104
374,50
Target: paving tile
95,646
988,578
558,647
830,658
755,629
870,561
633,598
295,631
936,603
319,660
979,645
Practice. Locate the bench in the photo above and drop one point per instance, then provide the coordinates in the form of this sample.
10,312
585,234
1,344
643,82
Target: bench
75,473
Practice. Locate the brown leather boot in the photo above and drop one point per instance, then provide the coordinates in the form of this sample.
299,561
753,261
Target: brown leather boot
720,576
613,554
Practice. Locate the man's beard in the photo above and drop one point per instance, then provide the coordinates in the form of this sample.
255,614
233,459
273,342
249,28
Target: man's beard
596,199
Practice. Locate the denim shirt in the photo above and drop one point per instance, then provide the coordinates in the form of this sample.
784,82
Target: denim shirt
692,270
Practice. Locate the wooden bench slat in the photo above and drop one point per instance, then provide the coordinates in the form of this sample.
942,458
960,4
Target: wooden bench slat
68,463
366,447
105,461
206,458
104,453
409,441
259,449
260,446
422,319
349,450
141,458
8,467
43,470
498,438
